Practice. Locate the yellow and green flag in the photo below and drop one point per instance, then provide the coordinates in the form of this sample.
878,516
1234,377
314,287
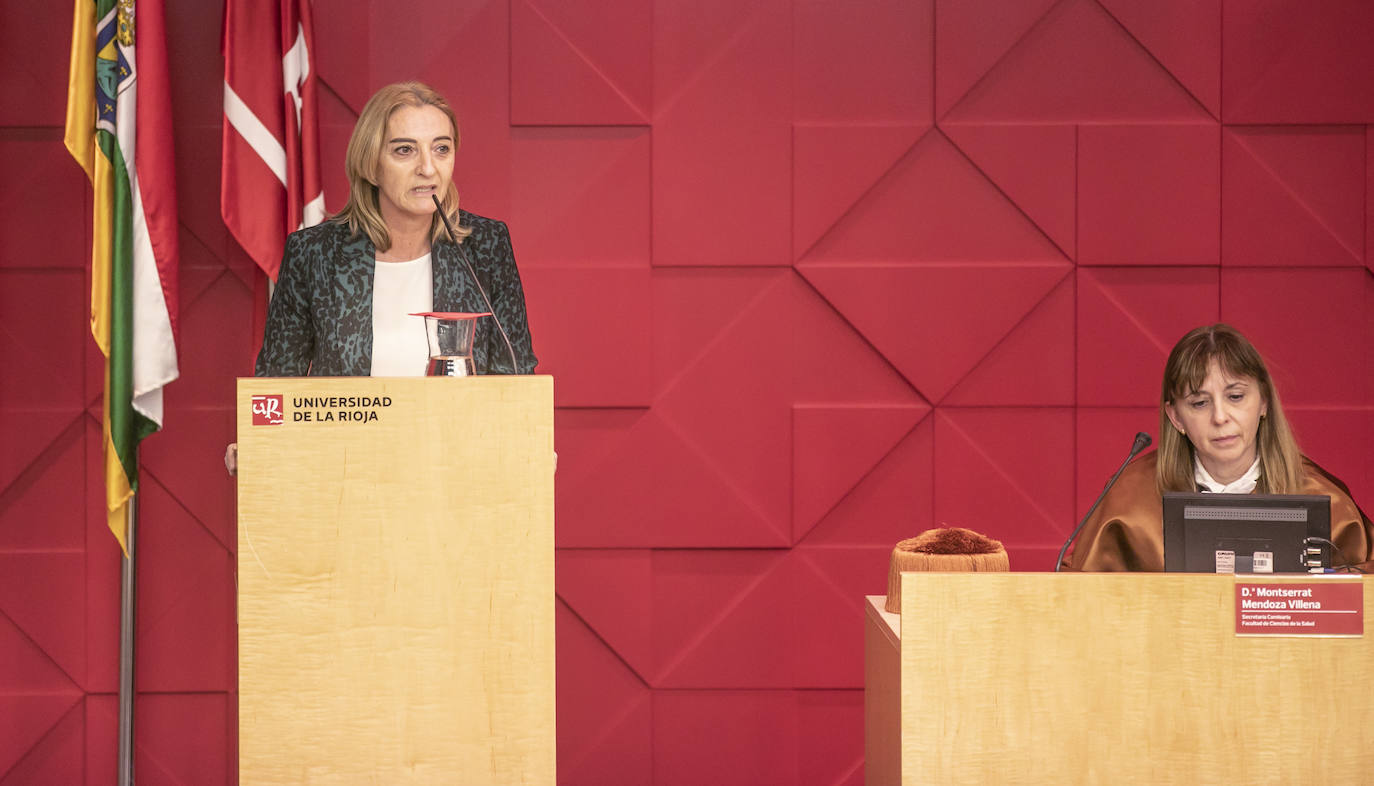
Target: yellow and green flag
119,129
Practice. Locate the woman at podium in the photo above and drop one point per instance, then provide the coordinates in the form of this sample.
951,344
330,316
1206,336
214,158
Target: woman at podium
1222,429
348,287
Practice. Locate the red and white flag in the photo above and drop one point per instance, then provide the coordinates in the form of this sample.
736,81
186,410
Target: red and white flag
270,173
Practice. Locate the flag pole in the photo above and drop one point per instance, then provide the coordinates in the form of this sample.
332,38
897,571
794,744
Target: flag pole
127,610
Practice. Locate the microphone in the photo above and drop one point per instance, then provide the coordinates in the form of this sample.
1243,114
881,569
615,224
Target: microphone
1142,441
514,367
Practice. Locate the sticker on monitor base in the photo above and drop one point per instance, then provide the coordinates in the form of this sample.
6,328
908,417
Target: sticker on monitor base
1329,607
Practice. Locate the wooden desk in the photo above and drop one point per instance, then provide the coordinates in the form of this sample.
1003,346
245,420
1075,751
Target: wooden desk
1098,678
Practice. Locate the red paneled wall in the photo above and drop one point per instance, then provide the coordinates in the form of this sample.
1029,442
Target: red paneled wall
813,276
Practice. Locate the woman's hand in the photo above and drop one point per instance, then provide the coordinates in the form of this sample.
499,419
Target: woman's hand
231,458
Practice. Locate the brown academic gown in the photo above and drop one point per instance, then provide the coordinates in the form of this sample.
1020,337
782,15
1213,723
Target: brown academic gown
1126,532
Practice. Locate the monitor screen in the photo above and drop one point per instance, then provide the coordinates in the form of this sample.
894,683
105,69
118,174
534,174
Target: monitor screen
1246,533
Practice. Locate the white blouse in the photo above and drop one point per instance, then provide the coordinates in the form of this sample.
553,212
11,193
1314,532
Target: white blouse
399,289
1242,485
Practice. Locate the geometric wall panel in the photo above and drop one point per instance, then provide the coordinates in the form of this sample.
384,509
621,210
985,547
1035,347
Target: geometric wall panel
745,438
1338,439
732,738
186,463
39,446
891,503
35,161
1076,63
1035,165
830,745
969,308
1296,62
1105,437
832,363
721,621
934,205
604,711
102,737
582,196
187,578
975,35
1185,36
43,329
1148,195
34,59
40,594
179,738
722,124
575,66
336,119
343,56
204,240
1037,356
468,59
194,104
842,72
1293,195
1128,320
40,737
836,165
667,493
572,309
1313,327
609,591
38,510
28,669
703,608
991,475
207,377
197,115
699,312
710,461
468,33
57,757
830,584
835,447
102,576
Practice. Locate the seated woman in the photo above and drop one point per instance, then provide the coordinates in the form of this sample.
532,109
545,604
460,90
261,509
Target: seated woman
1222,429
348,286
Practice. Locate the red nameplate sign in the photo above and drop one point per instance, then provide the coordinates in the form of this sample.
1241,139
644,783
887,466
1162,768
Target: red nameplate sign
1300,608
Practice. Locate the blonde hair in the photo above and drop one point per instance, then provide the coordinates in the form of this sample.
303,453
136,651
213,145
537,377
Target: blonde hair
1281,470
363,211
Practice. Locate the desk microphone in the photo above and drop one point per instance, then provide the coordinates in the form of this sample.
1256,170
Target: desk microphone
1142,441
514,367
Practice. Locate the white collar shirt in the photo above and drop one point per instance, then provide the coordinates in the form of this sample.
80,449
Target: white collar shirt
1242,485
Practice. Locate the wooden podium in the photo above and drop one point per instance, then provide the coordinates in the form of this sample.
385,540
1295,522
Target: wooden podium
1105,678
395,580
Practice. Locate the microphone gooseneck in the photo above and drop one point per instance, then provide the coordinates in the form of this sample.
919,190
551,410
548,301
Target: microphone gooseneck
1142,441
514,367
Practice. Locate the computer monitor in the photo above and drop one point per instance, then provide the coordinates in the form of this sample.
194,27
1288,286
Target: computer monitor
1246,533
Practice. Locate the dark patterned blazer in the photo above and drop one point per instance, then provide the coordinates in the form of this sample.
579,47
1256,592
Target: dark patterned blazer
320,319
